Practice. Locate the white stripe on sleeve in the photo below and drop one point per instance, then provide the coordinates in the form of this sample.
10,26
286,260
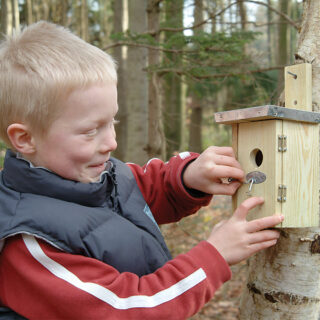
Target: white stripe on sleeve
184,155
100,292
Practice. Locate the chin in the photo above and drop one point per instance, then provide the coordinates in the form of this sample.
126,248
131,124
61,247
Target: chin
89,179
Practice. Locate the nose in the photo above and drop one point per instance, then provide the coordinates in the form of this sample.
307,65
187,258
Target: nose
108,141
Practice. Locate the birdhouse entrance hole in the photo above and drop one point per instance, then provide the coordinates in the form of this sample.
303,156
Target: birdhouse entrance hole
256,157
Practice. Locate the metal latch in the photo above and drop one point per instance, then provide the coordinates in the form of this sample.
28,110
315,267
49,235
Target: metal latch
282,193
282,143
254,177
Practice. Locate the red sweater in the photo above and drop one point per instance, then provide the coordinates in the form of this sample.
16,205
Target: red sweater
39,281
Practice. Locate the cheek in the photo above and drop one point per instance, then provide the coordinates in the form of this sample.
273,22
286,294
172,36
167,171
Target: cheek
82,153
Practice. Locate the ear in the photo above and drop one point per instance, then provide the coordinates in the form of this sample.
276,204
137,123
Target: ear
21,138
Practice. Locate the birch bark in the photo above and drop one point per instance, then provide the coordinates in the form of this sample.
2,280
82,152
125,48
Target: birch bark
283,281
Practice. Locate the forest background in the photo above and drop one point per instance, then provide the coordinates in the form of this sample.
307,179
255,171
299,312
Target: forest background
179,62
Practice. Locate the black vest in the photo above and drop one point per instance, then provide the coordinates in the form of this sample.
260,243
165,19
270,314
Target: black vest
109,220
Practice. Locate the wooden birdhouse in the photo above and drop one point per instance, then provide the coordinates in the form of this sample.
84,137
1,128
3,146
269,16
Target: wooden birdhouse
278,149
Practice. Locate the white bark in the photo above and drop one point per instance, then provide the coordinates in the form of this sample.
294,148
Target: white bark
283,281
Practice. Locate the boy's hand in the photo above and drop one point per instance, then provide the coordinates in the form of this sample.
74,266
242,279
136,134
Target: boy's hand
215,163
237,239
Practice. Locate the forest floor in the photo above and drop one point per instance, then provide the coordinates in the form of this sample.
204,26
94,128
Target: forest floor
185,234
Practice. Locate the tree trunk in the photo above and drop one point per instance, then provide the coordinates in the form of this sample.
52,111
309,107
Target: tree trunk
283,281
243,15
172,83
105,18
195,132
80,19
156,141
6,17
137,89
59,12
28,9
195,138
84,20
119,54
283,39
269,33
16,14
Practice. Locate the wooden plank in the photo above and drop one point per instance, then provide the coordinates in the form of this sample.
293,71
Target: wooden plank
235,128
298,86
261,136
301,175
265,113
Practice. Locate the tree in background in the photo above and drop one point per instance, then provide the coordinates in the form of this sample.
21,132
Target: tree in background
156,138
137,86
172,84
119,53
195,99
163,58
6,17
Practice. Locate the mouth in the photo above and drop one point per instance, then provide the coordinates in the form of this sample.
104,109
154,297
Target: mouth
99,166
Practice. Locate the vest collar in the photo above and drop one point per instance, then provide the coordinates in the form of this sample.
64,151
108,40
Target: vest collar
21,176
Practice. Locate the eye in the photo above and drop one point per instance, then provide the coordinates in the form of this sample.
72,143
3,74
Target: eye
91,132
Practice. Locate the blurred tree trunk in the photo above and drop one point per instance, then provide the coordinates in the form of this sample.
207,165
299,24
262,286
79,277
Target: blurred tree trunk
84,20
156,141
243,15
59,12
220,5
196,106
16,14
283,41
106,18
80,19
243,20
6,17
269,33
213,5
137,89
283,281
28,10
41,10
36,10
120,55
172,82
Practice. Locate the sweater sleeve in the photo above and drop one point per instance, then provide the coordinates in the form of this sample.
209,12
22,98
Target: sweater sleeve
39,281
162,187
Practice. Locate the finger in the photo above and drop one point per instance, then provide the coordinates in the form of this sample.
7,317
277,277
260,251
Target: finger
222,171
225,189
227,151
264,223
242,211
227,161
254,248
263,236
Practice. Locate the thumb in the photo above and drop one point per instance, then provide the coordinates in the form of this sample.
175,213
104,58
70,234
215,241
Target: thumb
244,208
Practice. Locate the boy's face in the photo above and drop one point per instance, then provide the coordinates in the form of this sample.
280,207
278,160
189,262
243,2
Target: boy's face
79,141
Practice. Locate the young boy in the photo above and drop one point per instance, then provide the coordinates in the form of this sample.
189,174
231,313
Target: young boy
79,229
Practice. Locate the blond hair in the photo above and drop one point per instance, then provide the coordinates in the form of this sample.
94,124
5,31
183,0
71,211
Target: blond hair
39,67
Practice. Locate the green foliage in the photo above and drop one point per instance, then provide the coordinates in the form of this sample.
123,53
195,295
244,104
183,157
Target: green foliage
252,90
2,153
